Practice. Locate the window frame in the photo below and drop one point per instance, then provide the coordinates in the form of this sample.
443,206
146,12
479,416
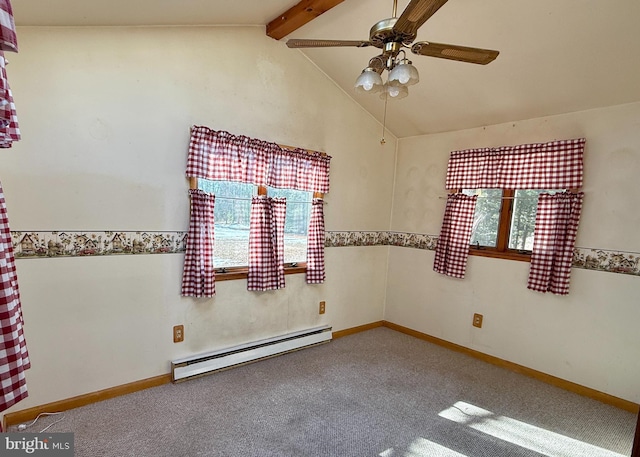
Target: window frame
502,250
242,272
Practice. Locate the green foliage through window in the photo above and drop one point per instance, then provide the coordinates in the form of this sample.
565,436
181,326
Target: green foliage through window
522,206
232,213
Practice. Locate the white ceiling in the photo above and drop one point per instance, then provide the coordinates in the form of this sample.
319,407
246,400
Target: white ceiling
148,12
555,56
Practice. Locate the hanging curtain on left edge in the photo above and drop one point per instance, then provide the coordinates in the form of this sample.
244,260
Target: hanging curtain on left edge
14,357
198,277
9,131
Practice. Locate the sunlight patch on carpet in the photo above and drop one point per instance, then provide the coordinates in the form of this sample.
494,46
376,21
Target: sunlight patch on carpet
422,448
522,434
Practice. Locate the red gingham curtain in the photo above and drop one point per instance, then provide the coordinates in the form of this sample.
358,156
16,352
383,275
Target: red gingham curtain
553,242
298,169
8,39
553,165
218,155
226,157
9,129
315,243
198,276
14,357
266,243
452,249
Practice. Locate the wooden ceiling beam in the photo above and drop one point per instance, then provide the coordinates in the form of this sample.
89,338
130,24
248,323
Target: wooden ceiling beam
297,16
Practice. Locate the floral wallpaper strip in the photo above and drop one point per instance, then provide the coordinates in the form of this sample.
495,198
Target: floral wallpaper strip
586,258
82,244
604,260
344,239
79,244
409,240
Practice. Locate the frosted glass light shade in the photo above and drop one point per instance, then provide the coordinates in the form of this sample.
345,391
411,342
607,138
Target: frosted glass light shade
368,82
404,74
394,92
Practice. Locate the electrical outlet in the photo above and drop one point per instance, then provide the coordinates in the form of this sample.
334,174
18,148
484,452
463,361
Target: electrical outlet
178,333
477,320
322,308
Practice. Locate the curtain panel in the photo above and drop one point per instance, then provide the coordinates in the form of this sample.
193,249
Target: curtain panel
9,129
198,276
553,242
552,165
219,155
315,243
452,249
8,38
266,243
14,357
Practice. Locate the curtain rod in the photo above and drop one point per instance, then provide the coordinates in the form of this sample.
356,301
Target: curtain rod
309,151
283,146
501,198
570,191
249,199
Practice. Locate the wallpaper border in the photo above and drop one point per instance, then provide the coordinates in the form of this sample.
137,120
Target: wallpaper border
48,244
33,245
586,258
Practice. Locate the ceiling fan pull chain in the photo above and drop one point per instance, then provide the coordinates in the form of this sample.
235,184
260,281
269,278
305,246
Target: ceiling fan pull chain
384,118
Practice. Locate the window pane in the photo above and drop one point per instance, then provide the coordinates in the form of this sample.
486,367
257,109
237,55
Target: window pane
487,216
523,219
232,212
296,223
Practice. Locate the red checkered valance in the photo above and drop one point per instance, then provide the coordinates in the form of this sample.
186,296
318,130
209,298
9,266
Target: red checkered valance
219,155
553,165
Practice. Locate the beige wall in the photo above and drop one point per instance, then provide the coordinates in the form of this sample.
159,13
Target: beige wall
105,116
589,337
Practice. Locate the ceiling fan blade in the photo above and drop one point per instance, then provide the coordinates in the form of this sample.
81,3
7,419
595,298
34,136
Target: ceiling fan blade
326,43
415,14
453,52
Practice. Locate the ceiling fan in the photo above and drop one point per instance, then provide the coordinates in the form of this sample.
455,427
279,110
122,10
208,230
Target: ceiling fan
392,35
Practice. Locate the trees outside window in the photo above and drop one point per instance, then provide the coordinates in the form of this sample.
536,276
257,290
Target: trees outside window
504,221
232,216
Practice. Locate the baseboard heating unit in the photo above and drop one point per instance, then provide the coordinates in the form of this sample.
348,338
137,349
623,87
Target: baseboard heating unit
202,364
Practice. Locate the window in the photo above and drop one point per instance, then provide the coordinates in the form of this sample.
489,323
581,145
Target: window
222,157
502,223
504,220
231,222
296,223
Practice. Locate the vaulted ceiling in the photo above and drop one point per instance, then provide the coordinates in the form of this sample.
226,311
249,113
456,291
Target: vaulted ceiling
555,56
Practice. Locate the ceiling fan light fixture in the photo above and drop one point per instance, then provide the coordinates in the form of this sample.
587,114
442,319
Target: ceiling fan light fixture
368,82
404,74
